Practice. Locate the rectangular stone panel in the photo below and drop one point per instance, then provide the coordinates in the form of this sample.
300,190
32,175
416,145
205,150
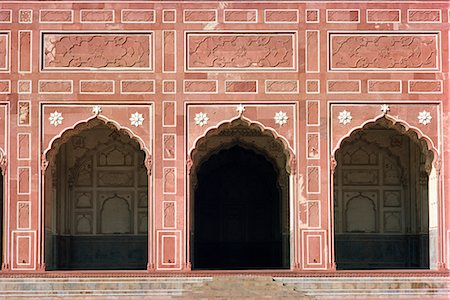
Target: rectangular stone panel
169,51
5,16
343,86
424,16
138,16
281,16
312,112
241,86
96,86
4,51
56,16
168,250
425,86
113,51
24,180
96,16
281,86
55,86
383,16
5,86
245,51
169,113
343,15
137,86
200,15
240,16
23,215
384,51
200,86
313,250
312,50
23,146
384,86
25,51
169,214
313,179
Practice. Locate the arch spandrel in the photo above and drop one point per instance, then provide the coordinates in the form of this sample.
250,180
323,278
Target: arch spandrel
261,118
81,117
404,118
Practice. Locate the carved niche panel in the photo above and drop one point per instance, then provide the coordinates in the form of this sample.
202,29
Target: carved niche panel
99,51
377,52
240,52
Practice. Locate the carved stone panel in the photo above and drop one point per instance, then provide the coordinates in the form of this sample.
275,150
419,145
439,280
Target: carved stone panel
240,52
376,52
99,51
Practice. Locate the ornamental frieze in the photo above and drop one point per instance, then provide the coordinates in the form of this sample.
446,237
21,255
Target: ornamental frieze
373,51
97,51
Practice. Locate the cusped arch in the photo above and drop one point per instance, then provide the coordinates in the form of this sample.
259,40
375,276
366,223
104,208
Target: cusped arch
251,125
390,122
55,143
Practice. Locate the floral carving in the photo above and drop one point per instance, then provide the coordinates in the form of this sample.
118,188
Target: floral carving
136,119
374,51
243,51
55,118
201,119
424,117
385,109
345,117
281,118
96,110
101,51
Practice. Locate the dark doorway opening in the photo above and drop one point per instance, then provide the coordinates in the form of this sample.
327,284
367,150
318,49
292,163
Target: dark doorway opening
237,213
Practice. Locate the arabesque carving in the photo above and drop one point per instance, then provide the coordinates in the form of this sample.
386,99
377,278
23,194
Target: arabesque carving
240,51
101,51
383,51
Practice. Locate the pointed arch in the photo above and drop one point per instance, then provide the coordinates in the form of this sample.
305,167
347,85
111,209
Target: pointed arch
399,125
252,125
49,153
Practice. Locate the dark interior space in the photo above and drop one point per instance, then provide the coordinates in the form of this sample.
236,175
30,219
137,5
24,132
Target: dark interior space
237,209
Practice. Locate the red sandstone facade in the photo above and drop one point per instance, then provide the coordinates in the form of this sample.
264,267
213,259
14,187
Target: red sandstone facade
172,75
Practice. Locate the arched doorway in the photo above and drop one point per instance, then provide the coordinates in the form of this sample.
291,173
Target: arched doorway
381,199
96,208
239,201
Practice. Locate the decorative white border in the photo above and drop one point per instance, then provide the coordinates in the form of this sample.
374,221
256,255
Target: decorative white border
9,86
103,93
98,11
174,87
137,10
31,13
30,54
59,93
29,145
437,34
424,10
318,86
174,216
307,145
56,22
319,213
384,92
282,22
306,233
15,234
318,15
176,234
423,80
7,69
164,124
248,93
29,112
148,33
175,146
19,237
10,15
201,80
281,92
28,168
163,52
319,183
318,52
307,113
292,33
343,9
381,10
29,214
175,185
200,10
344,92
137,80
241,22
18,85
174,13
